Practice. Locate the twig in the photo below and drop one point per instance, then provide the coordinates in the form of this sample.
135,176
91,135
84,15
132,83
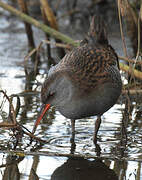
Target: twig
15,124
69,13
132,91
18,103
34,137
133,71
31,134
47,153
8,125
65,46
121,31
51,19
29,32
31,53
45,20
49,14
138,50
11,107
129,60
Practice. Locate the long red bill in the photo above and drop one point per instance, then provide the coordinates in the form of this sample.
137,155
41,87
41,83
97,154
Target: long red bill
43,111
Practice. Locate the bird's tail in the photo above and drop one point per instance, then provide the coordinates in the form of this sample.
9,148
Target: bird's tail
97,32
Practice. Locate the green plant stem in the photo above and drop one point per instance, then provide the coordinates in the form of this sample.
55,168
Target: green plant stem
130,70
45,28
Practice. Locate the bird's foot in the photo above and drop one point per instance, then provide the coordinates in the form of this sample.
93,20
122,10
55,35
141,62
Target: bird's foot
73,146
97,149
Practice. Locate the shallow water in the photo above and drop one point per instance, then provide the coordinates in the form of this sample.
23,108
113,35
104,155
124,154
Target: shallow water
118,158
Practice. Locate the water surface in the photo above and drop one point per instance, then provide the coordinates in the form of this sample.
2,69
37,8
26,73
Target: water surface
52,160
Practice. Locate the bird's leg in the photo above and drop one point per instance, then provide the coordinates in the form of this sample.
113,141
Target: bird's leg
73,145
97,150
72,130
97,125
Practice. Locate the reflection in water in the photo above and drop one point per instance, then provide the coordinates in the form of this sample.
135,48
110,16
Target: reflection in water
33,174
11,168
58,168
83,169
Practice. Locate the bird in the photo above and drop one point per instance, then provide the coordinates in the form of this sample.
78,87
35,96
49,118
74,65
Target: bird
86,82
